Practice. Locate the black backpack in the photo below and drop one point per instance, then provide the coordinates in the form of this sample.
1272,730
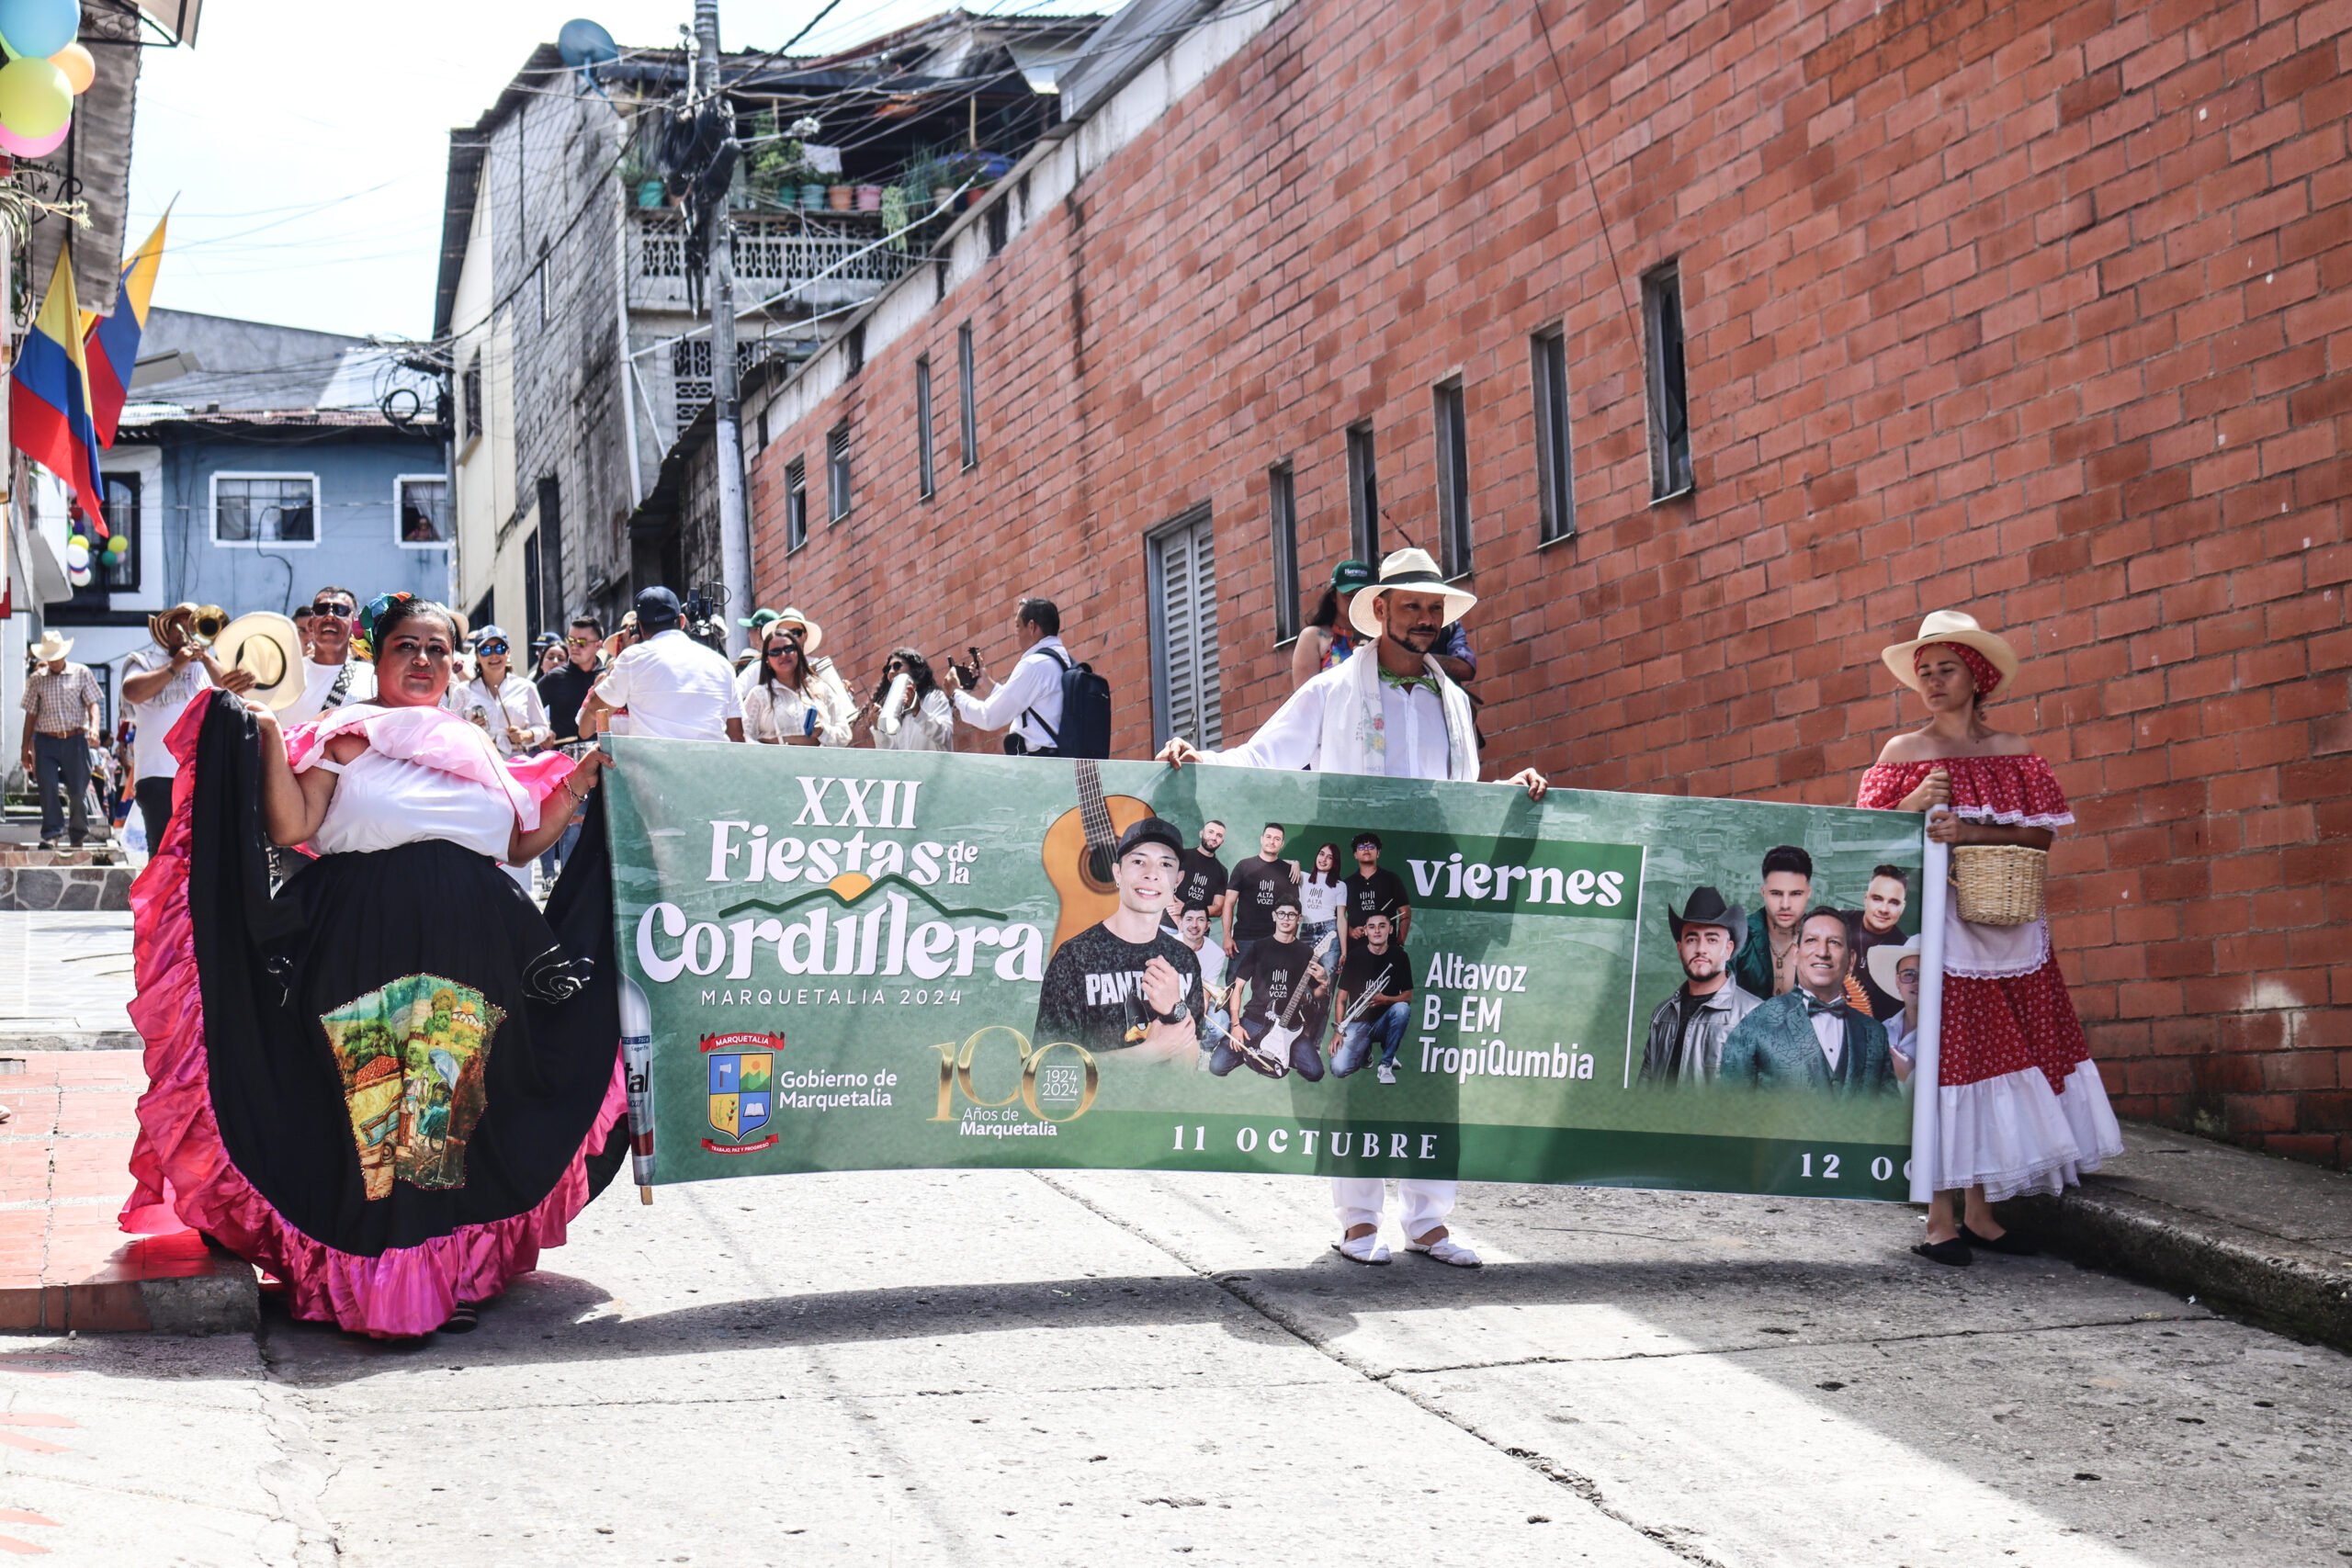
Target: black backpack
1086,711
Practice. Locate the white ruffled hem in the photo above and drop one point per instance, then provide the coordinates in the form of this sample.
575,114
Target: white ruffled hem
2011,1136
2014,819
2097,1136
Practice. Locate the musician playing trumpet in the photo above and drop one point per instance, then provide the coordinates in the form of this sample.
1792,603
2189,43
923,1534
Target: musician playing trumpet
168,676
1375,1000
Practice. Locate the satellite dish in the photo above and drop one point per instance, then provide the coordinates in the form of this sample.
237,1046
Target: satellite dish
585,45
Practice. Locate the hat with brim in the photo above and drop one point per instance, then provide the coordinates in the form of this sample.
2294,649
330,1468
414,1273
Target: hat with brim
262,643
1884,959
1407,572
812,634
1951,625
52,647
1706,907
1150,830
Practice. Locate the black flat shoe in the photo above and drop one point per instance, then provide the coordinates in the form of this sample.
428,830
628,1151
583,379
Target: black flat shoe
463,1318
2007,1242
1954,1252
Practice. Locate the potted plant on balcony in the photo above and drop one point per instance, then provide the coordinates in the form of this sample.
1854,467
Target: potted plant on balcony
776,164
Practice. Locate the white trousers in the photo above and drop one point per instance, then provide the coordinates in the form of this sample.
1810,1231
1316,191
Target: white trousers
1359,1199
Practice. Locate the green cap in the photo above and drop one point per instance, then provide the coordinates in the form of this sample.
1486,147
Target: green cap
1350,575
759,618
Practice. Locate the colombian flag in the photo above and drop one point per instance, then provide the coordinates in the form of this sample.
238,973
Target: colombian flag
110,345
48,396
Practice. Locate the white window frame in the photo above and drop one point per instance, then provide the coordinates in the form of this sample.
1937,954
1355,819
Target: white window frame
400,479
212,520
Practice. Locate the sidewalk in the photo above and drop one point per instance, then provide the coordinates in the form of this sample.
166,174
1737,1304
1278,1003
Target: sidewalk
2268,1238
65,1157
65,980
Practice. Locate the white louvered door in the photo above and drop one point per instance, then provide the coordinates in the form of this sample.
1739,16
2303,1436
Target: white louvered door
1183,567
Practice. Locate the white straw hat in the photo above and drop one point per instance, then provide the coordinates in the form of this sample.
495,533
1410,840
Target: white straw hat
1407,568
1885,958
1951,625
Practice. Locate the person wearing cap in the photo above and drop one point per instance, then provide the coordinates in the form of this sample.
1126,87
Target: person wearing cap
62,728
1895,971
1688,1030
1027,703
1265,977
2019,1098
546,655
671,686
1126,983
1399,714
499,702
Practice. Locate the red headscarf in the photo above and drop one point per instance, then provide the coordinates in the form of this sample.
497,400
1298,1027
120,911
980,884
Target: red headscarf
1979,667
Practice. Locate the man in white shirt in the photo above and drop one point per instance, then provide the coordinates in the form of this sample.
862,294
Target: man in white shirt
671,686
332,677
1396,714
158,686
1028,701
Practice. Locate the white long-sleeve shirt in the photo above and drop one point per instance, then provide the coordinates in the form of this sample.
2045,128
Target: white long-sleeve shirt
1414,719
1034,687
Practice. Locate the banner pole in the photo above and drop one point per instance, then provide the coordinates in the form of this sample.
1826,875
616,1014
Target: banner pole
636,1068
1935,876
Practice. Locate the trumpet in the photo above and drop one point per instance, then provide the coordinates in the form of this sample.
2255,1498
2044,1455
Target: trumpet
187,625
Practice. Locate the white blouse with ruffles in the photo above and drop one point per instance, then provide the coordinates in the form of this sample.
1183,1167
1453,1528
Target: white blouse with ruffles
381,803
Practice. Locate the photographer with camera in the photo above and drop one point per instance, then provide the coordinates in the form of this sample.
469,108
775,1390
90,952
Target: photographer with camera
1029,700
671,686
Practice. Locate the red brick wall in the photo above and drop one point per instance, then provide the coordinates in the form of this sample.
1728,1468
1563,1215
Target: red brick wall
2038,307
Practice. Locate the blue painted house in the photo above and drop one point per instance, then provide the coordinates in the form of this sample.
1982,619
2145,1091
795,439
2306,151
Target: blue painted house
255,464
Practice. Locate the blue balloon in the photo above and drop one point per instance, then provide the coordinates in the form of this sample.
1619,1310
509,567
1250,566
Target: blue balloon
39,28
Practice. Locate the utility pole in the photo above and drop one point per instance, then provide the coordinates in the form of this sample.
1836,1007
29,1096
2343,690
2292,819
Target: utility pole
734,516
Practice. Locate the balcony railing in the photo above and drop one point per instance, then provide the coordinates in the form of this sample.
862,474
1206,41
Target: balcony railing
836,266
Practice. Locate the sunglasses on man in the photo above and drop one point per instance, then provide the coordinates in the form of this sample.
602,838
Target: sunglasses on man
334,609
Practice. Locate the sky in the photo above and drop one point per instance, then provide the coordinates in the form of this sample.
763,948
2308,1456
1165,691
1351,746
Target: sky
307,143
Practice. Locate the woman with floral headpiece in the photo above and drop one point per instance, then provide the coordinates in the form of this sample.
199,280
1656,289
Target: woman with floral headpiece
394,1081
2020,1107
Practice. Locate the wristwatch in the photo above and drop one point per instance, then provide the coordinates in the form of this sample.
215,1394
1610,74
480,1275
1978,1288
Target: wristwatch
1174,1015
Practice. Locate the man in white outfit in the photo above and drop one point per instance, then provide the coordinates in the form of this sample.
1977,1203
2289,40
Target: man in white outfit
1398,714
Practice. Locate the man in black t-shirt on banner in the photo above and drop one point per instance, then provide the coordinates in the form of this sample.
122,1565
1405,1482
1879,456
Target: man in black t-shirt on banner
1200,880
1375,997
1257,883
1372,891
1275,970
1125,982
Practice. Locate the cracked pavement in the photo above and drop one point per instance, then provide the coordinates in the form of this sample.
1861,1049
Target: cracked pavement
1056,1367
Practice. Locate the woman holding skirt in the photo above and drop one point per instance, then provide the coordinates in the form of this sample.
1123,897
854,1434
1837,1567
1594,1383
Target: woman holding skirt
394,1082
2020,1107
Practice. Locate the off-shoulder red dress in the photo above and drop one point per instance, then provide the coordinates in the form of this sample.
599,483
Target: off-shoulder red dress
2021,1105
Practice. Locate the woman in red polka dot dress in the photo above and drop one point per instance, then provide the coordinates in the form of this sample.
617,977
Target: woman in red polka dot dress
2020,1107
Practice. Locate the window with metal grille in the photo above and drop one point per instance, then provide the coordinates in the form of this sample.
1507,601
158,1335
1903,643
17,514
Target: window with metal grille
469,399
926,479
1181,565
1282,518
796,504
690,373
1556,496
968,416
266,509
1452,479
837,470
1669,403
1363,495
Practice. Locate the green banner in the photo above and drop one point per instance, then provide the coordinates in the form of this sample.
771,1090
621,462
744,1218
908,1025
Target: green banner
859,960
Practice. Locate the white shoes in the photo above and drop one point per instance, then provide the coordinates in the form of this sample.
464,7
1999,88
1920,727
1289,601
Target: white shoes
1446,1250
1362,1248
1386,1073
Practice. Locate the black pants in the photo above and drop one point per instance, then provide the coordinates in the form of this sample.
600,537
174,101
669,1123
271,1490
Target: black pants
153,798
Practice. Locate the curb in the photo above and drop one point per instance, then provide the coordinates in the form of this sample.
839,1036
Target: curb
79,1039
160,1284
2300,1289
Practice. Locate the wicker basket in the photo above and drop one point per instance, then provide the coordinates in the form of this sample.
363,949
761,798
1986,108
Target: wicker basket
1998,884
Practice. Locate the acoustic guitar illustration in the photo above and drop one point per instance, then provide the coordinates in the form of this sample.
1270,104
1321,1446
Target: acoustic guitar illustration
1079,847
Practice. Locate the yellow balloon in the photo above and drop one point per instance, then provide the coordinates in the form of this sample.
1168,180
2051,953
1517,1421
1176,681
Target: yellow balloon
80,66
33,98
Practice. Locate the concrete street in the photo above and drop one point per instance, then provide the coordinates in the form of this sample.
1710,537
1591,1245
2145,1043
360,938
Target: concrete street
940,1368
